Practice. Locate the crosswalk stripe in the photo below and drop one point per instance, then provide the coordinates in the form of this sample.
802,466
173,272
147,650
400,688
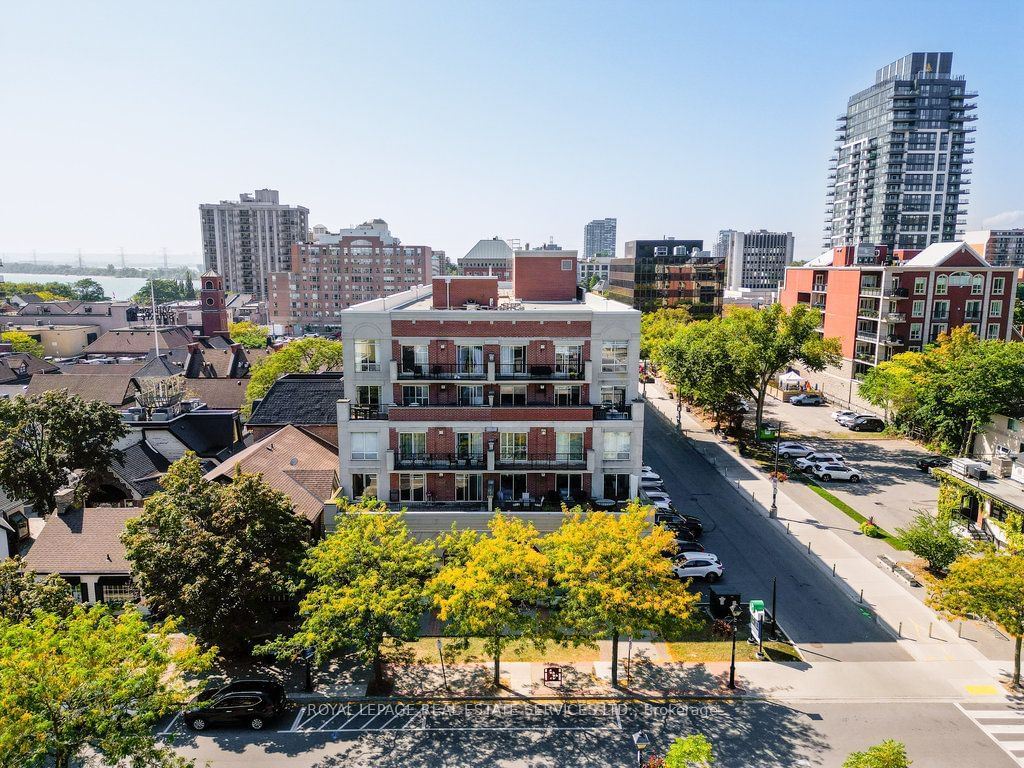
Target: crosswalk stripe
1004,726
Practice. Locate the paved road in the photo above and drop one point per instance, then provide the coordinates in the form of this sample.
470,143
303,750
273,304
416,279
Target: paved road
818,617
745,735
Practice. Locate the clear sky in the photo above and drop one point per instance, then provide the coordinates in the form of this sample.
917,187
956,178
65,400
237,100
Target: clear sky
460,120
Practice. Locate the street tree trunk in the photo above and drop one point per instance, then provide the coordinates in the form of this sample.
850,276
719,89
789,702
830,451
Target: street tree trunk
378,671
762,391
1016,662
497,665
615,659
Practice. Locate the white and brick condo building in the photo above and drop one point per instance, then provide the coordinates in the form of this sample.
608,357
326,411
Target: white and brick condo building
470,394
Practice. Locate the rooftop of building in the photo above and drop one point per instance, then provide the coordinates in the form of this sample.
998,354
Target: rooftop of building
867,255
301,398
83,541
493,248
420,299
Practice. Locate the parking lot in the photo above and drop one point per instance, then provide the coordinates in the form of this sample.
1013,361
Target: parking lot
893,489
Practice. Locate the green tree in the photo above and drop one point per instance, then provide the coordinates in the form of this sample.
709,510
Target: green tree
88,289
90,683
990,586
950,390
933,538
592,280
612,578
163,290
658,327
693,751
22,342
492,590
364,588
22,594
188,288
249,335
44,437
213,554
766,341
888,754
312,355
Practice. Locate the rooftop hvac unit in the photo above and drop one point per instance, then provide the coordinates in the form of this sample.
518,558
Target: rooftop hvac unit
1002,466
978,473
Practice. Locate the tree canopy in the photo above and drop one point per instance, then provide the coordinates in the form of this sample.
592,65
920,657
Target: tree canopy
659,326
44,437
22,342
693,751
214,554
990,586
312,355
888,754
88,289
612,579
22,593
933,538
364,587
950,390
90,682
163,290
249,335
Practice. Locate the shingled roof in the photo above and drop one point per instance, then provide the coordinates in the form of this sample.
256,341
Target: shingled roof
86,541
218,393
301,398
16,366
138,342
116,390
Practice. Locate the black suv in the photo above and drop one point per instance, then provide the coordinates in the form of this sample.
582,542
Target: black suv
933,461
867,424
252,701
686,527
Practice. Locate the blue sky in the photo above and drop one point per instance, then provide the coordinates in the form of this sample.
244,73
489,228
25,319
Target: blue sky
461,120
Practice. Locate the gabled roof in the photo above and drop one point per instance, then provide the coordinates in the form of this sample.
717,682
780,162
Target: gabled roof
936,254
141,467
292,461
301,398
218,393
157,368
18,366
106,369
138,342
86,541
116,390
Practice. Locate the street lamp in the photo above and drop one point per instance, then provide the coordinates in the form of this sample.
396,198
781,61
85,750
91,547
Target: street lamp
642,741
774,511
735,610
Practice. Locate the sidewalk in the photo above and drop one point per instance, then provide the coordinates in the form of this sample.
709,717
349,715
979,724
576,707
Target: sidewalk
922,634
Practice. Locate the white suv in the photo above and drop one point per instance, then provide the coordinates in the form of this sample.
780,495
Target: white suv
698,565
818,457
794,450
832,471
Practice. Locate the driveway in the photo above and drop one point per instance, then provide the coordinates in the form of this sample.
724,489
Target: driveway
893,489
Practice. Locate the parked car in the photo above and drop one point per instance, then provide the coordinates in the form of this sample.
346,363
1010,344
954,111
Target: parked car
867,424
702,555
850,418
702,568
817,457
254,702
810,398
678,523
656,495
650,476
680,546
794,450
836,415
833,471
928,462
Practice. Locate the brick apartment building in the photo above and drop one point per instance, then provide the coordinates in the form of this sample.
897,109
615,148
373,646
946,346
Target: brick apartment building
466,396
339,270
880,305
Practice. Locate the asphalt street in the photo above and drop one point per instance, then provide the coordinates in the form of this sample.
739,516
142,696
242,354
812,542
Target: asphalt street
816,615
753,734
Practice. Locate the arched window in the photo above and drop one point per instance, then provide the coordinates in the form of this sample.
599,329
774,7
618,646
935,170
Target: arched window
940,285
959,279
977,285
209,285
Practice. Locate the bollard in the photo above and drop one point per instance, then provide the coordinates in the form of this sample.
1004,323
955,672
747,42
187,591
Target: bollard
808,547
862,595
960,630
929,630
833,570
899,632
787,527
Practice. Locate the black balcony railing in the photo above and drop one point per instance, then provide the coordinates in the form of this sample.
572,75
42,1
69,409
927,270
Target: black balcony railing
369,413
524,371
612,412
439,461
570,460
446,371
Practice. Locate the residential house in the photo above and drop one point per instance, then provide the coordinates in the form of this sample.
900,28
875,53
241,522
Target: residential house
307,400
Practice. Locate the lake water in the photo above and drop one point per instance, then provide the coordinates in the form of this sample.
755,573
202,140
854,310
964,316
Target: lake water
114,287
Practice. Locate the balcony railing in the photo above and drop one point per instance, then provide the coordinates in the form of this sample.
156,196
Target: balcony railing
870,290
523,371
573,459
440,461
894,341
442,371
896,317
612,412
369,412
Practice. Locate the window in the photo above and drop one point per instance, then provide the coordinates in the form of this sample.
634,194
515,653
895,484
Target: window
937,330
915,331
414,359
998,286
368,394
940,310
411,487
569,446
364,485
972,310
513,446
471,360
471,394
615,357
570,487
469,487
992,331
512,394
469,445
920,285
366,355
977,285
513,360
364,446
119,593
616,446
568,359
960,280
995,309
415,394
512,487
412,444
568,394
614,397
941,285
917,309
567,265
616,487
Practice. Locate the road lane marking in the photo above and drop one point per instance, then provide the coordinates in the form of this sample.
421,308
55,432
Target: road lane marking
170,726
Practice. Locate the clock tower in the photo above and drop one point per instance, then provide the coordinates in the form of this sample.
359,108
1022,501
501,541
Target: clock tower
214,311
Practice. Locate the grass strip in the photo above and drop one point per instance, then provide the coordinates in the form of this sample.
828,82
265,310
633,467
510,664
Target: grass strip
846,509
